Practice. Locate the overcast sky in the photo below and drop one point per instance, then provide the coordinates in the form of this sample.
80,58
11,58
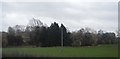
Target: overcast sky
73,14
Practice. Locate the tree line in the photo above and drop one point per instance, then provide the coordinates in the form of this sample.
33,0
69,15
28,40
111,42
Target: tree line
39,35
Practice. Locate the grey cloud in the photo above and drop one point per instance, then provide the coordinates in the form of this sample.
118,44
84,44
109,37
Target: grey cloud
72,15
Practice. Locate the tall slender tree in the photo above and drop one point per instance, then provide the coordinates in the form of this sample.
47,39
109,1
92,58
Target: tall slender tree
54,35
66,36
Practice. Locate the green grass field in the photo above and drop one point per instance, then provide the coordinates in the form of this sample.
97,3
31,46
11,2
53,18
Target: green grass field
94,51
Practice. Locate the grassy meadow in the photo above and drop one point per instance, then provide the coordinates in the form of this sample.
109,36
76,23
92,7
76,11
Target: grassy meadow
93,51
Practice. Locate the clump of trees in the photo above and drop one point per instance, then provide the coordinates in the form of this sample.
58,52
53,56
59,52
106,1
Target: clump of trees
85,37
40,35
14,38
49,36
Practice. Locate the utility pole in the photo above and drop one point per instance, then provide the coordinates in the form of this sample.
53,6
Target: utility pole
61,37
